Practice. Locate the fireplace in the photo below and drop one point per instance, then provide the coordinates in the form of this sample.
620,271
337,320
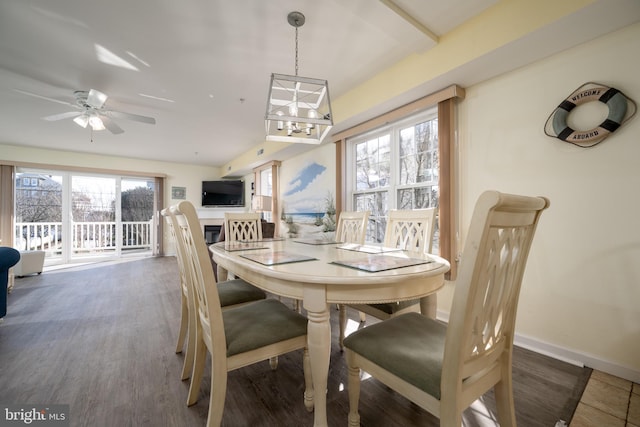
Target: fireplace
211,233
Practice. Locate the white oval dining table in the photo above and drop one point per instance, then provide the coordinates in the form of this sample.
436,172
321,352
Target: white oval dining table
320,282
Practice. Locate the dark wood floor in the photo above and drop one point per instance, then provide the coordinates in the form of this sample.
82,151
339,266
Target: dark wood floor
102,338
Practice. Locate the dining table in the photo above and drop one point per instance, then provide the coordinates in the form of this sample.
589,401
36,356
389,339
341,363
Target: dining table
321,272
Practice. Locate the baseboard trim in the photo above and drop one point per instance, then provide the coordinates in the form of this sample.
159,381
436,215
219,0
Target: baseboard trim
548,350
569,356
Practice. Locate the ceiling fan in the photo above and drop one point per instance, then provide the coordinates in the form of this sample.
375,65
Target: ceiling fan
91,111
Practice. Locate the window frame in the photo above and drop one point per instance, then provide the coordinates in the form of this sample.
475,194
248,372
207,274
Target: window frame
446,100
393,130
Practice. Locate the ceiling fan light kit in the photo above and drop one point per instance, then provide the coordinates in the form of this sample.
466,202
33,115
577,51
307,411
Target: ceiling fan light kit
91,111
90,119
298,108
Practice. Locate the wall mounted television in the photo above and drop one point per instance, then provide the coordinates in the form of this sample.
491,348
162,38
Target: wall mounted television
224,193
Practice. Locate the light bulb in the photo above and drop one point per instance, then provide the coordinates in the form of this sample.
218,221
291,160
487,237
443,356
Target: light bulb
96,123
82,120
312,114
280,122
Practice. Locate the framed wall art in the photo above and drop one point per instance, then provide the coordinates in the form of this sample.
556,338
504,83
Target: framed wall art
178,193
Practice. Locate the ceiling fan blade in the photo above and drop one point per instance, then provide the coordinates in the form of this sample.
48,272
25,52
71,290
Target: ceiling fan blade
62,116
111,125
35,95
129,116
96,99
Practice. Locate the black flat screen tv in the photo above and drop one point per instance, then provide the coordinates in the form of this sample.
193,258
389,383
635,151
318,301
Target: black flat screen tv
223,193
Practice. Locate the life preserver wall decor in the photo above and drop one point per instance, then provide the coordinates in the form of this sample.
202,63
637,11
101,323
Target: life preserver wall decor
621,109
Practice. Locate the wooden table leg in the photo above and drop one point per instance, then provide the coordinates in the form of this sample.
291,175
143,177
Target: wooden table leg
319,342
429,305
223,274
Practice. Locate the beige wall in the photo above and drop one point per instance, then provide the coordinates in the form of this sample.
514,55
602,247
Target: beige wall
582,285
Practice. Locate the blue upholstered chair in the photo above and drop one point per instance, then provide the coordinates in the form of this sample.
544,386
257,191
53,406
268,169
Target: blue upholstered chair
8,258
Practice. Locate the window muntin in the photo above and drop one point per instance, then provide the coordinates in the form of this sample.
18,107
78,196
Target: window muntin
373,163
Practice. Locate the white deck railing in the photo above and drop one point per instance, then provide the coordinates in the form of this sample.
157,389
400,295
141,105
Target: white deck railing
87,237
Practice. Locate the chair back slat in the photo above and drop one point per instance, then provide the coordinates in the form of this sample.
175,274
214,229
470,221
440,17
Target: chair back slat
242,226
488,285
352,227
411,230
179,247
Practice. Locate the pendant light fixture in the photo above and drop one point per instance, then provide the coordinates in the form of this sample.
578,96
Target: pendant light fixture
298,108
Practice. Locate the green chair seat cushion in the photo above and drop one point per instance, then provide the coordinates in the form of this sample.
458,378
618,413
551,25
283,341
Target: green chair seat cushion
259,324
394,307
238,291
409,346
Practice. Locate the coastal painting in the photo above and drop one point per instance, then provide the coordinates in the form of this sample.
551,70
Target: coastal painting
308,206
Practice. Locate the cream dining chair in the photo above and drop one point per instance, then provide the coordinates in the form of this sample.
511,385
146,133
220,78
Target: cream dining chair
410,230
242,226
238,336
444,368
351,228
232,293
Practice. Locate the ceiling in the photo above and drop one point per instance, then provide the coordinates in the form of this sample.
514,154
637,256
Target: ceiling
201,68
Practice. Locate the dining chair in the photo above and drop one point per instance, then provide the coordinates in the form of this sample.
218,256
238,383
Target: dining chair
268,232
242,226
410,230
351,228
245,226
232,293
444,368
238,336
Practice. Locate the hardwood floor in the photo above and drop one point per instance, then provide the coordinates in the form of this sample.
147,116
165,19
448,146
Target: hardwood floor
101,338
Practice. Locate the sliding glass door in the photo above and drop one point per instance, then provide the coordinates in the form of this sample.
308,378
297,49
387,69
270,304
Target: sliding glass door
93,216
73,216
38,212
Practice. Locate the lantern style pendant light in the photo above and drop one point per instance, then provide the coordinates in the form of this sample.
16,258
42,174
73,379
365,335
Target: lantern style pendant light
298,108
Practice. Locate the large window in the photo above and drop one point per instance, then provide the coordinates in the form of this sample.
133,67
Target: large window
438,164
394,167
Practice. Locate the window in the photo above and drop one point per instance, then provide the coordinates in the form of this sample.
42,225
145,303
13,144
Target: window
266,189
443,192
266,184
394,167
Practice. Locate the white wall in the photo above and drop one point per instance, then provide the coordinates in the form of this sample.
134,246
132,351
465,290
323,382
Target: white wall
581,292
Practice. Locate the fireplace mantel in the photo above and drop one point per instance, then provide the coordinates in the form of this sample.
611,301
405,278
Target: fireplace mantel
215,213
214,216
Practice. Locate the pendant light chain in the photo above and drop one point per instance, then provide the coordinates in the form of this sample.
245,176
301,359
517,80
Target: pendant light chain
296,51
298,108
